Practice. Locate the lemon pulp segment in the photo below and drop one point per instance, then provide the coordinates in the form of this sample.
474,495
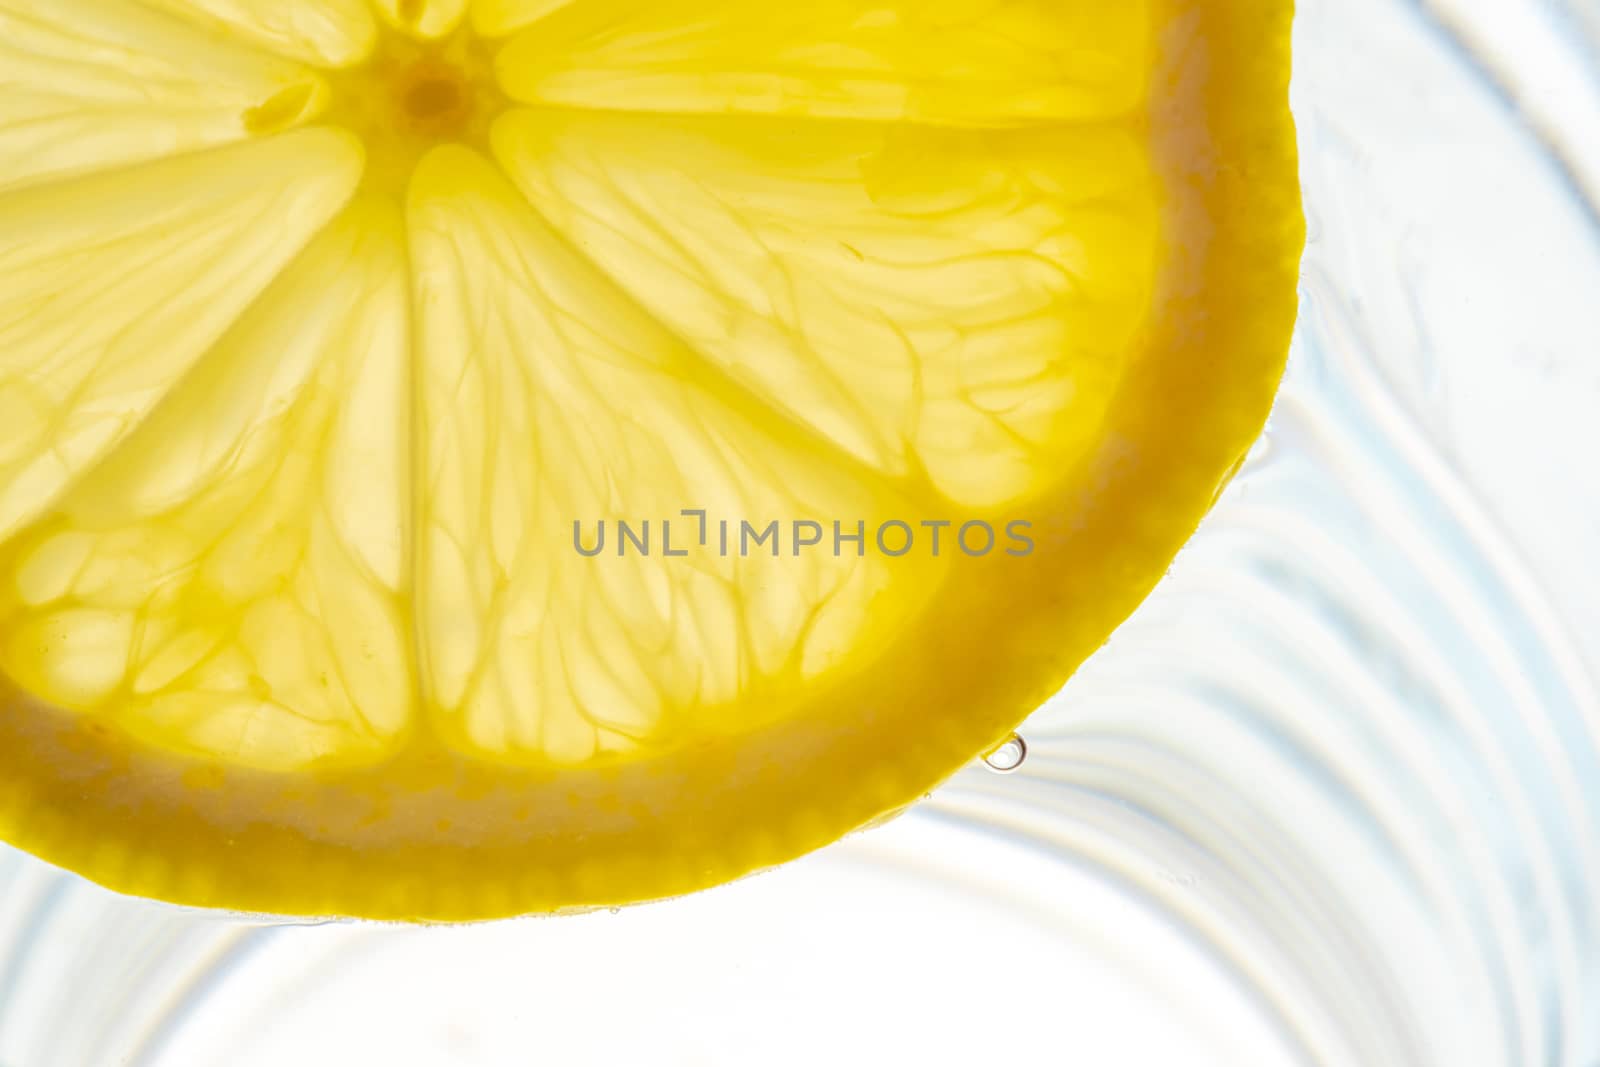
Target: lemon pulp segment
380,381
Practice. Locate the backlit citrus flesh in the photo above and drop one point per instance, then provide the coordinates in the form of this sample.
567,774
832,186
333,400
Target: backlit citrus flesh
333,334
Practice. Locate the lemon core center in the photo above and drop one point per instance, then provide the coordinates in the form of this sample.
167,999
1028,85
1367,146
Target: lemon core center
415,95
435,99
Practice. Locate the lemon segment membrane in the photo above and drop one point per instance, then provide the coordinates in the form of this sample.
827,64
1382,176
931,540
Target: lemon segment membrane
98,84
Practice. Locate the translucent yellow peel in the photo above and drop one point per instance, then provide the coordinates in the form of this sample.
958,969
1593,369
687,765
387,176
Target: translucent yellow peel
316,367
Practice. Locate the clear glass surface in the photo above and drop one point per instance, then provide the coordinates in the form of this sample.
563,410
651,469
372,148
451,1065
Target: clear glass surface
1331,797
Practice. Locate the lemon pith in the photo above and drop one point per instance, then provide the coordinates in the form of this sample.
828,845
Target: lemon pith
327,326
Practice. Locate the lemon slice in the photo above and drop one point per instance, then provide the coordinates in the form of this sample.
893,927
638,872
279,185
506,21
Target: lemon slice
462,458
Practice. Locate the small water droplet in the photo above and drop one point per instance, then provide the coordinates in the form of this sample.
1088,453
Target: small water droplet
615,911
1008,755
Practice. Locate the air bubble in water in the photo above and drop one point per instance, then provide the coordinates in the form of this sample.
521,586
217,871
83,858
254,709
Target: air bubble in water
1008,755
